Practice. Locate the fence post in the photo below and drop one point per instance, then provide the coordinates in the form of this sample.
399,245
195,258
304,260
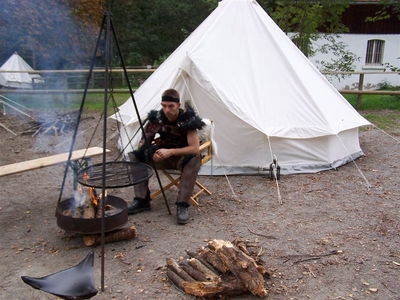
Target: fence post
360,88
65,89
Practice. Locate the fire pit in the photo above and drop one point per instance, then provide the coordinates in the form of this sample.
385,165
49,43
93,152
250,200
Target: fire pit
114,218
83,214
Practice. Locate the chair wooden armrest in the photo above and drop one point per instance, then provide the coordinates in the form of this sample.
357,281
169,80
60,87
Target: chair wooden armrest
207,156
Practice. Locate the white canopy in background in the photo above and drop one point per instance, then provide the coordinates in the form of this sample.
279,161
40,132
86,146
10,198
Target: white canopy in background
16,79
240,70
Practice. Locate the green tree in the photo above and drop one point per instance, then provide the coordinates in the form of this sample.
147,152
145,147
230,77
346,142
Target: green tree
151,29
343,59
50,34
308,21
389,8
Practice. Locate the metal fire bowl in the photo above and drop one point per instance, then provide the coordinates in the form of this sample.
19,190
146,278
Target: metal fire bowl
92,226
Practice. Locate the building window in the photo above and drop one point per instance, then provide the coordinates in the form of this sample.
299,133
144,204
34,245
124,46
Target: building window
375,50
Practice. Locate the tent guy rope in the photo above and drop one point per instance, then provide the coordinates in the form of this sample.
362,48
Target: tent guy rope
391,136
354,162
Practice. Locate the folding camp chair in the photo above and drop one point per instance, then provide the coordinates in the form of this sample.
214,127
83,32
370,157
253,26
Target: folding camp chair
205,136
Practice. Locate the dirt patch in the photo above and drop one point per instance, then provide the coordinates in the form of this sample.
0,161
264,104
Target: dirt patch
332,238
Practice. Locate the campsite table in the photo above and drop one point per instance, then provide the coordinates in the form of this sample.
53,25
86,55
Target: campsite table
117,174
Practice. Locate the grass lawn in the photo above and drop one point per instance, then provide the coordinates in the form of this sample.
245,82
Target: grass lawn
375,102
383,111
44,102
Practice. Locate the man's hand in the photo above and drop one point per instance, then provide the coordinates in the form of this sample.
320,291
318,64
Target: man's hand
162,154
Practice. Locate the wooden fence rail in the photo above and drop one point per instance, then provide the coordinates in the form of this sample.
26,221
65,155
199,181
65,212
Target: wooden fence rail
65,89
360,91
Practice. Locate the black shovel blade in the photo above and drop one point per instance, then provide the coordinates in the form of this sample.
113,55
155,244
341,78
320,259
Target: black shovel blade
74,283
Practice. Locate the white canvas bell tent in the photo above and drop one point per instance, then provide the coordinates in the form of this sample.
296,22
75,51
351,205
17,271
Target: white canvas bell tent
23,80
264,96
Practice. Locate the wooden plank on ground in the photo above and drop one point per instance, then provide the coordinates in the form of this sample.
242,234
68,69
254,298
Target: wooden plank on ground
49,160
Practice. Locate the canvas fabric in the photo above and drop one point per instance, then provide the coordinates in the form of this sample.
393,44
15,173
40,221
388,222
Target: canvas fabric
264,96
17,80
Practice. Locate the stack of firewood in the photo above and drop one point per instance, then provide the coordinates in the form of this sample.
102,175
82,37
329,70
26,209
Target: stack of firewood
222,268
57,125
87,204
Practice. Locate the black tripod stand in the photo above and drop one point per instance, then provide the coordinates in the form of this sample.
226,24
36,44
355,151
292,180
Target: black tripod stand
107,27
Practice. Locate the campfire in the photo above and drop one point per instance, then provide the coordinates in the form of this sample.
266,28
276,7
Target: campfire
83,212
87,204
61,123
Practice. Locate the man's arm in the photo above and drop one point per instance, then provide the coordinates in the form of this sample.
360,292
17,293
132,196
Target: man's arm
192,148
150,130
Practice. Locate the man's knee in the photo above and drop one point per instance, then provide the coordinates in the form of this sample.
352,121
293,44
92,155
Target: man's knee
192,161
132,157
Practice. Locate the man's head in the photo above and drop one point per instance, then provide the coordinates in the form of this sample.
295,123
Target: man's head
170,103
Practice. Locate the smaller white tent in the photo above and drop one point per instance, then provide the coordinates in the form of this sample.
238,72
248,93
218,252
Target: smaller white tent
18,78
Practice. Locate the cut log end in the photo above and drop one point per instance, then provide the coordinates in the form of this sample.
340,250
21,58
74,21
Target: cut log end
110,237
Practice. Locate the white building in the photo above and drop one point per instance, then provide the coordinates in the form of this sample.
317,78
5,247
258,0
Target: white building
374,51
375,43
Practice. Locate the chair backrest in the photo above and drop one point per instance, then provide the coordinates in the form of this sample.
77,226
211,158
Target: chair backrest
205,137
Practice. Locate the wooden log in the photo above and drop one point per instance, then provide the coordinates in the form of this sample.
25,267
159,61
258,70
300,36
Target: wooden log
195,274
50,127
175,279
99,213
209,255
89,211
89,239
210,275
241,265
259,263
67,212
241,245
211,289
203,261
173,265
77,212
113,236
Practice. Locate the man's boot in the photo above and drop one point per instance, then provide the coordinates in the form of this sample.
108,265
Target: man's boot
182,214
140,204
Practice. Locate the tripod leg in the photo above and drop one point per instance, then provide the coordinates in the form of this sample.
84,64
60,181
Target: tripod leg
137,112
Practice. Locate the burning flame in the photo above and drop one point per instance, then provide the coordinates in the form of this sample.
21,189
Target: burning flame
92,190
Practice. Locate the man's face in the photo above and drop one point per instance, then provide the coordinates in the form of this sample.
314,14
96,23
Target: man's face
171,110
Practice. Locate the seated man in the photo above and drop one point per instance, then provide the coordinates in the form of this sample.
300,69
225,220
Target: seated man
176,147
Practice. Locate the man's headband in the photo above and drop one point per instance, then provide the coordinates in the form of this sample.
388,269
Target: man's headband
169,98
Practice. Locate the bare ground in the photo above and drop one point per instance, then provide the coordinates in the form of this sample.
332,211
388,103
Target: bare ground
332,238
